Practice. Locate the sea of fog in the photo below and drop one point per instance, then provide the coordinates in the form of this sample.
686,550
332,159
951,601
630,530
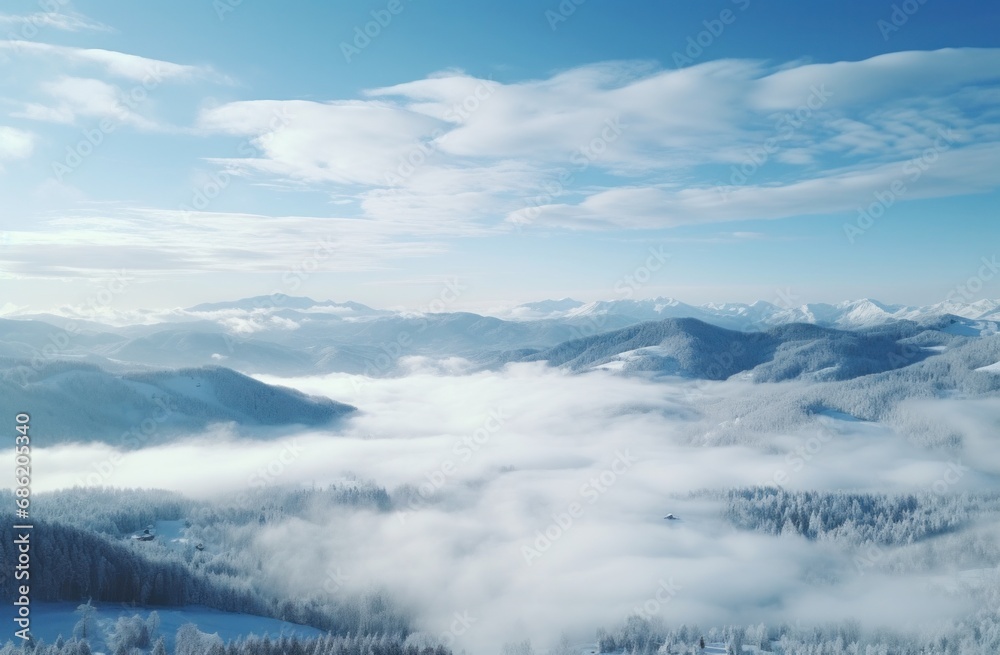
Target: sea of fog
531,502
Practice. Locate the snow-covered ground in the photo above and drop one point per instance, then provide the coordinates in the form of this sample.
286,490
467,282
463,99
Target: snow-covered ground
49,620
171,533
992,368
839,416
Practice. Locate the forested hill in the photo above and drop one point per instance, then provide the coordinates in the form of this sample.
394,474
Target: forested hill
72,401
83,549
692,348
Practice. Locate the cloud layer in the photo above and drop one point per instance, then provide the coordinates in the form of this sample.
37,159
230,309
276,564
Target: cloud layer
778,140
615,145
536,501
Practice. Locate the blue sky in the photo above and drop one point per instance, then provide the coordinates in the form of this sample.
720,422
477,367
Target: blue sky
206,151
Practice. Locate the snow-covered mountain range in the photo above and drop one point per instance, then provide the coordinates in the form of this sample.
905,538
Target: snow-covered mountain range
285,335
279,311
691,348
848,314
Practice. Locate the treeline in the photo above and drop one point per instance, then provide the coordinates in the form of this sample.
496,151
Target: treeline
268,504
120,512
977,635
83,550
110,510
690,347
190,641
245,398
328,645
74,401
69,563
641,636
230,525
855,518
764,409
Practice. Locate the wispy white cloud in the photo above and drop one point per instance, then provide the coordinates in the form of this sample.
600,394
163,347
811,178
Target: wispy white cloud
118,64
15,143
66,21
954,172
43,113
350,142
617,145
883,79
452,147
76,97
64,84
166,242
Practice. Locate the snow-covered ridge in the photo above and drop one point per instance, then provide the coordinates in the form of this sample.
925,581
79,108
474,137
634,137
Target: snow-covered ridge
280,311
83,402
848,314
291,336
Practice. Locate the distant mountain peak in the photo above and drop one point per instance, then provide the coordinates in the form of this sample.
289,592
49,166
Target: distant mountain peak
276,301
863,312
562,304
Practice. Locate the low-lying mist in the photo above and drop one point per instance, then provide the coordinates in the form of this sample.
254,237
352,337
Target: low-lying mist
529,503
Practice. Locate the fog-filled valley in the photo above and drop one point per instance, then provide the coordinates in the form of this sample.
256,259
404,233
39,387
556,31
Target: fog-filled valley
524,484
381,327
